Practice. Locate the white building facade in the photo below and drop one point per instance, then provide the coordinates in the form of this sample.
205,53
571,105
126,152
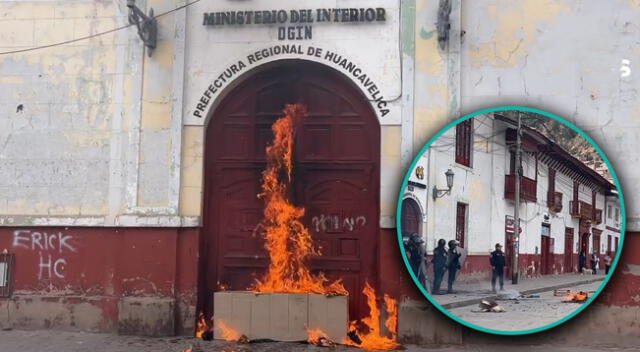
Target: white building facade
561,209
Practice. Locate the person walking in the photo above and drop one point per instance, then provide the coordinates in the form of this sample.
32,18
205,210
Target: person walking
439,262
595,260
453,264
607,263
582,262
497,267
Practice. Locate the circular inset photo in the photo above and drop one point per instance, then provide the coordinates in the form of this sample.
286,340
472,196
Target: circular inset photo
511,220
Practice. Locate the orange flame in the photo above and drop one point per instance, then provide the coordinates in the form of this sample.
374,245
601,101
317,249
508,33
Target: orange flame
228,333
314,336
373,340
392,315
201,326
576,297
287,240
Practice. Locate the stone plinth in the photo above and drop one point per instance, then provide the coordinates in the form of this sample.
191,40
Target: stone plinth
281,316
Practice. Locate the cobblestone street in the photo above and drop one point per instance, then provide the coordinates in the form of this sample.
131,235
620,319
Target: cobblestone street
56,341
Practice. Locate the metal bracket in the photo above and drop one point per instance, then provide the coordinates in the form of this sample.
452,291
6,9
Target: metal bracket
147,25
444,23
439,193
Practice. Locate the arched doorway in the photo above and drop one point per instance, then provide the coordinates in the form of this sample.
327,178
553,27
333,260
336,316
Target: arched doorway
336,177
411,217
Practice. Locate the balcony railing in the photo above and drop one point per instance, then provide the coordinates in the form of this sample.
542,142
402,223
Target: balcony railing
554,201
597,218
580,209
528,188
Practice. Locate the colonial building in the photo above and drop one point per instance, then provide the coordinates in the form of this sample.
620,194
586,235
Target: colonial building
562,199
130,163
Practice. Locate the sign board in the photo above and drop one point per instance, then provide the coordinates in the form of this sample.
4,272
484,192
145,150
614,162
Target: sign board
545,231
509,224
227,39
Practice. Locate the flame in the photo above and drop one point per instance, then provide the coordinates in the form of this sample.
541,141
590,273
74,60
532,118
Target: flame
201,326
576,297
373,340
227,333
392,316
287,240
314,336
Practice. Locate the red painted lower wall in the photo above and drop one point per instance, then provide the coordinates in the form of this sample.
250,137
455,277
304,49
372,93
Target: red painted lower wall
394,277
144,281
103,279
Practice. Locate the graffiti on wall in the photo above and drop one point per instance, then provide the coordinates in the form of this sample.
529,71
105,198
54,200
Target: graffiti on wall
51,248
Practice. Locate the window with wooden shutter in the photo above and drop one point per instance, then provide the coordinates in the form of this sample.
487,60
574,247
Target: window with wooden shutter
464,142
461,223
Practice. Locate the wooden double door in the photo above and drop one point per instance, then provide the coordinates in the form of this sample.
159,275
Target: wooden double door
336,179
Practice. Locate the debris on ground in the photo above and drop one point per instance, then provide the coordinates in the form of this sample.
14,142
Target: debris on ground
353,336
576,297
488,305
319,338
561,292
531,296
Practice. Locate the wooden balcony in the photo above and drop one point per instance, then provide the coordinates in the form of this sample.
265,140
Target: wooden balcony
554,201
528,188
597,217
580,209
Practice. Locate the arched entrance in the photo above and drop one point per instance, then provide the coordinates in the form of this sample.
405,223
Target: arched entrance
336,177
411,217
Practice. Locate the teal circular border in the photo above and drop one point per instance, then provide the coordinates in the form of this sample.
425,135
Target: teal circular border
503,332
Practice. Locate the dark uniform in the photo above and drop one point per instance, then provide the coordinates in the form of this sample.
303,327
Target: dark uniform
417,258
439,262
453,264
497,265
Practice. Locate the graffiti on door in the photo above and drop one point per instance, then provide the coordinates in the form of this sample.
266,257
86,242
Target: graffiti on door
337,223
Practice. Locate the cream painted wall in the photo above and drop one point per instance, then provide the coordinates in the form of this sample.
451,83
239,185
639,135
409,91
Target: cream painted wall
89,135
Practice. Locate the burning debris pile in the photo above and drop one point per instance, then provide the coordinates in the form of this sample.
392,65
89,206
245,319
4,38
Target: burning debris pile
569,296
287,240
371,338
488,305
203,330
577,297
319,338
230,334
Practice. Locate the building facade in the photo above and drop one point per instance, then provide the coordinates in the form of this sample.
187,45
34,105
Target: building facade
562,199
128,171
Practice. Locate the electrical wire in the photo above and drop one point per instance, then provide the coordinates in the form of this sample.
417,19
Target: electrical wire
18,51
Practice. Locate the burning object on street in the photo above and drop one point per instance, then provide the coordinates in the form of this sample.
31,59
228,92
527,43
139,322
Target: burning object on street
203,330
371,337
230,334
319,338
575,297
487,305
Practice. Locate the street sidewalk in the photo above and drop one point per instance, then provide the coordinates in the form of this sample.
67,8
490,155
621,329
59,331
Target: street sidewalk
472,293
57,341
